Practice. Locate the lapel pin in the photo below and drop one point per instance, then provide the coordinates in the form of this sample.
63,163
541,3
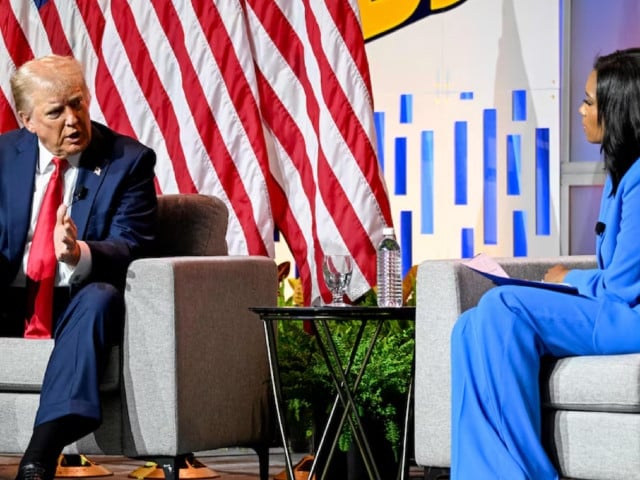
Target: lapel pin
97,171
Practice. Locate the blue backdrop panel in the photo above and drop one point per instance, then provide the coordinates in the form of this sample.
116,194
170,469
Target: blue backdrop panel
406,108
519,233
543,203
514,153
406,249
519,105
426,181
460,154
466,243
401,166
490,202
378,119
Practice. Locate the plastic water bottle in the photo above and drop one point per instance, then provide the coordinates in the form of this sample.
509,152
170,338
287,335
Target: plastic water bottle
389,270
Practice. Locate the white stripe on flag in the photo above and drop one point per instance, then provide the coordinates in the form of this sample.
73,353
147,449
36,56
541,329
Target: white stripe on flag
263,103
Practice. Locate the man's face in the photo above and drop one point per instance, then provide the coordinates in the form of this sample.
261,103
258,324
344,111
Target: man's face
60,118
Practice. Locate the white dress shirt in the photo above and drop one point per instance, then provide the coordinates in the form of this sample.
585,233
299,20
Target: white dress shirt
66,274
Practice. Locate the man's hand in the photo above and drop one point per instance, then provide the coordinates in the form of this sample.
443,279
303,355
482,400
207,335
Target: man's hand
556,274
64,238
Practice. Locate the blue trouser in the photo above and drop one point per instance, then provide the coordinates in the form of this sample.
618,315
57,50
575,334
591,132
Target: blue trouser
495,361
84,333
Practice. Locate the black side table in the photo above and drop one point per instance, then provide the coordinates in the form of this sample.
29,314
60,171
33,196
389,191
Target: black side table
319,317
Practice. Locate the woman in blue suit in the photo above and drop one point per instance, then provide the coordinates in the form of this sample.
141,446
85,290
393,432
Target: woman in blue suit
496,347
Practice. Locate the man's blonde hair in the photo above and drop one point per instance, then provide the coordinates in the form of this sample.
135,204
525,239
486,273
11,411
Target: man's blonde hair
52,73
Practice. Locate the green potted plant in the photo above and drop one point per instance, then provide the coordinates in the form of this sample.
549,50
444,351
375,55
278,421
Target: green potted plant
381,395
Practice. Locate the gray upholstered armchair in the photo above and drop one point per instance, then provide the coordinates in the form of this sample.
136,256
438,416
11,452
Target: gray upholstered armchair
592,404
192,374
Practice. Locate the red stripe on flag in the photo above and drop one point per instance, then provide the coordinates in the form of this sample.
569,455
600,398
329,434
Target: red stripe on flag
19,51
353,232
52,25
152,88
291,139
348,26
14,37
7,118
331,190
203,117
291,113
222,48
286,129
285,217
106,92
364,153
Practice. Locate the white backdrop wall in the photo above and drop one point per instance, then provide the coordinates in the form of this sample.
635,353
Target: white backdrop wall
460,66
467,114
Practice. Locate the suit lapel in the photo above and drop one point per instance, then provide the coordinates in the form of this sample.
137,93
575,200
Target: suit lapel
91,173
19,182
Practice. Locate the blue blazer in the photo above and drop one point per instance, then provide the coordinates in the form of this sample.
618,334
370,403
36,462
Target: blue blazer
617,247
115,214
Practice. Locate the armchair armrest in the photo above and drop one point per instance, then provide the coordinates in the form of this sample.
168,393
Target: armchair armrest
445,289
194,356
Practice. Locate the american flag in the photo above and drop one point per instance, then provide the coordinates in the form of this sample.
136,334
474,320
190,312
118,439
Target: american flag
264,103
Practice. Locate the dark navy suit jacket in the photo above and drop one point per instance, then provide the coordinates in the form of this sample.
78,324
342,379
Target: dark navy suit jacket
115,216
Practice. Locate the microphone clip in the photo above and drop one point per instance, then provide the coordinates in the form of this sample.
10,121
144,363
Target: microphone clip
79,194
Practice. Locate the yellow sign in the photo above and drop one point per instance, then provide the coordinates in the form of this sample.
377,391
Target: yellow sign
383,16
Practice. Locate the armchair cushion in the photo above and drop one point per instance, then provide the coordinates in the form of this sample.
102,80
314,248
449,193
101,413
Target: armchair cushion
22,369
609,383
191,225
24,362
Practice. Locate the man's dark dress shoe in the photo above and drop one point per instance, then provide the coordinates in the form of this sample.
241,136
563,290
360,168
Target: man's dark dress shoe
35,471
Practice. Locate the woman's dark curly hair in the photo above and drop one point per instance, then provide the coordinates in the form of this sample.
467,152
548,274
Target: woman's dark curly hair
618,100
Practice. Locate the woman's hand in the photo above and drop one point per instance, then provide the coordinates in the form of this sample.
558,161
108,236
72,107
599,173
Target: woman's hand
556,274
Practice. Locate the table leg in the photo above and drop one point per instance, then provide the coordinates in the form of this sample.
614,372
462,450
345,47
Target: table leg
346,397
277,393
327,428
402,468
356,382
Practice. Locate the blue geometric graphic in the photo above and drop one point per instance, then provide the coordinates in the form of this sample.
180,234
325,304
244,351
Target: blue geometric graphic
378,120
460,162
519,233
466,242
426,181
519,105
543,201
490,155
401,166
406,233
463,185
406,108
514,154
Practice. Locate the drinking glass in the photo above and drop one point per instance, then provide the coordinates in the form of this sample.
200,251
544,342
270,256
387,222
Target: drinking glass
337,271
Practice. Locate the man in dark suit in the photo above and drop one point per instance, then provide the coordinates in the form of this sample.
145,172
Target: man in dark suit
105,221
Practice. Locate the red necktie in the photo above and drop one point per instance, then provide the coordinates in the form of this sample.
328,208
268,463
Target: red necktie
42,263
